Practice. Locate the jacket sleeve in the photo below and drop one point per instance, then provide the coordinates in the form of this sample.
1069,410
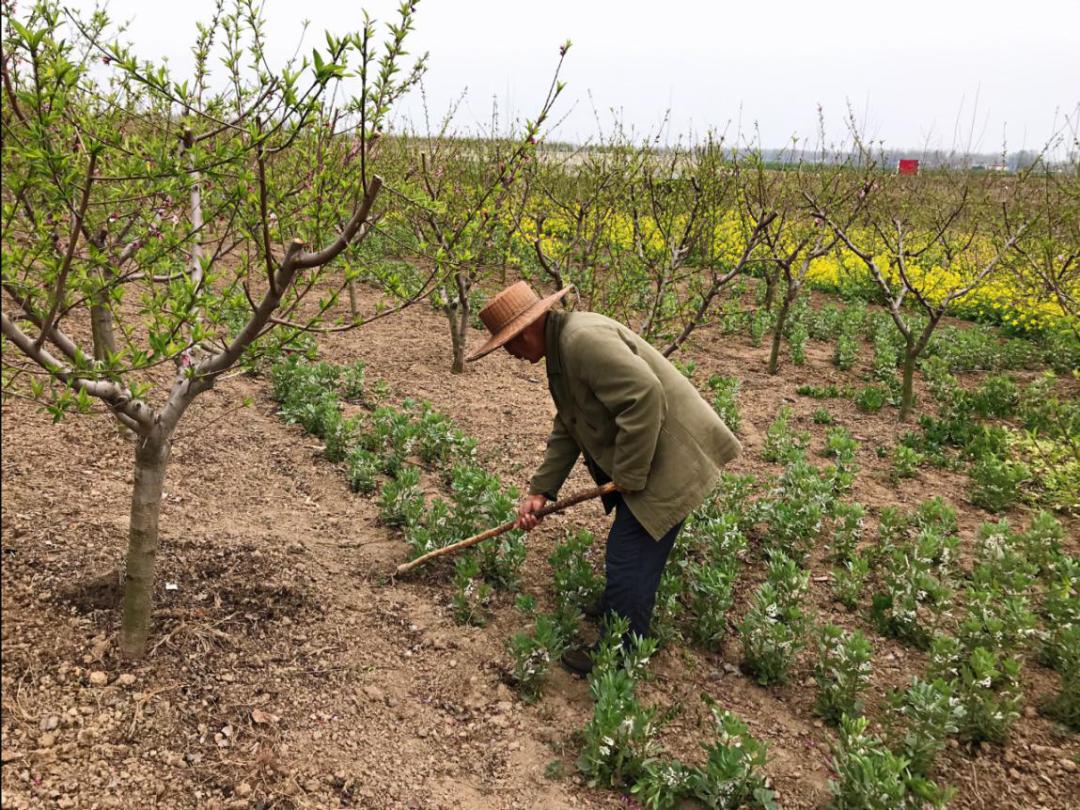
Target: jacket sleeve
634,396
562,453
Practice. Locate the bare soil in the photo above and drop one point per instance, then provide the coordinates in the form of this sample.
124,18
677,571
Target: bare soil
289,669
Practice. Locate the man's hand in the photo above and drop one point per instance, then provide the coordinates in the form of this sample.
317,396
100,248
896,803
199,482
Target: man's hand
529,505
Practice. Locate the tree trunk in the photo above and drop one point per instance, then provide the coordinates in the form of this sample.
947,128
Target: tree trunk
907,394
771,283
457,344
457,313
101,322
353,311
778,334
463,334
151,458
101,327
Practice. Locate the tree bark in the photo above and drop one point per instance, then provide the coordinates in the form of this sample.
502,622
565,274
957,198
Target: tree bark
101,327
457,313
778,334
457,344
151,459
354,310
771,284
907,393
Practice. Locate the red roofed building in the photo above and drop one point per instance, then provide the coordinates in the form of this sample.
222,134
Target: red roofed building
908,167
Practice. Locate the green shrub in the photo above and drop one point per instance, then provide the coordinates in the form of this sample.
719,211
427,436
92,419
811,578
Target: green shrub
871,399
1041,543
1042,409
995,619
401,503
944,387
576,584
620,737
730,778
532,653
663,784
978,348
847,529
685,367
339,436
668,610
996,397
717,536
711,586
818,391
935,514
501,562
842,672
825,323
847,351
997,602
887,344
480,502
782,442
295,382
774,629
761,322
913,595
797,343
1065,705
925,715
870,777
840,444
988,688
1054,465
905,461
724,403
732,496
438,442
621,649
822,417
363,470
849,579
318,416
1060,609
795,510
434,530
390,433
472,595
352,381
983,441
996,482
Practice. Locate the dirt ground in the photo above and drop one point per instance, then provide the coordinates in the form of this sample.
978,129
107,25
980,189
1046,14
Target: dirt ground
288,669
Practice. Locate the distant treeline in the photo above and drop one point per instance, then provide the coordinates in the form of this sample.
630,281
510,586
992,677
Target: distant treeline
929,159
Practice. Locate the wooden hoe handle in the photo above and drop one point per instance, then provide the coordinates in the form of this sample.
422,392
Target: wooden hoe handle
558,506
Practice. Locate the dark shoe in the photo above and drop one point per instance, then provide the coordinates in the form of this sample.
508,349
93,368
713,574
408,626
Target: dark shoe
577,661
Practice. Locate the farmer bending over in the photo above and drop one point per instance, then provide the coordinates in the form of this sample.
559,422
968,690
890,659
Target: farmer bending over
638,422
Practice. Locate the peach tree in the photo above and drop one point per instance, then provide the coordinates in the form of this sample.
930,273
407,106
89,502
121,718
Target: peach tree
159,230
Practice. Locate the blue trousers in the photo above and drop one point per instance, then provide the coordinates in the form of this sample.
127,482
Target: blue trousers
633,566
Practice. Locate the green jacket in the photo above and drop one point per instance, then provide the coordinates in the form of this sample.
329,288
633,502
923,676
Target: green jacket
634,415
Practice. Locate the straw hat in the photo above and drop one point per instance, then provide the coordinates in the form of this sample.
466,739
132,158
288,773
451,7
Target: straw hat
508,313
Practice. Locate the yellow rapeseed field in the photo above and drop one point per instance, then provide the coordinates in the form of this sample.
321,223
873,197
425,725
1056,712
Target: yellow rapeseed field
999,298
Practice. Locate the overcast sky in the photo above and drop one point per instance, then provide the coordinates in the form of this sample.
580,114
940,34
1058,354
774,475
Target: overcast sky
936,73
